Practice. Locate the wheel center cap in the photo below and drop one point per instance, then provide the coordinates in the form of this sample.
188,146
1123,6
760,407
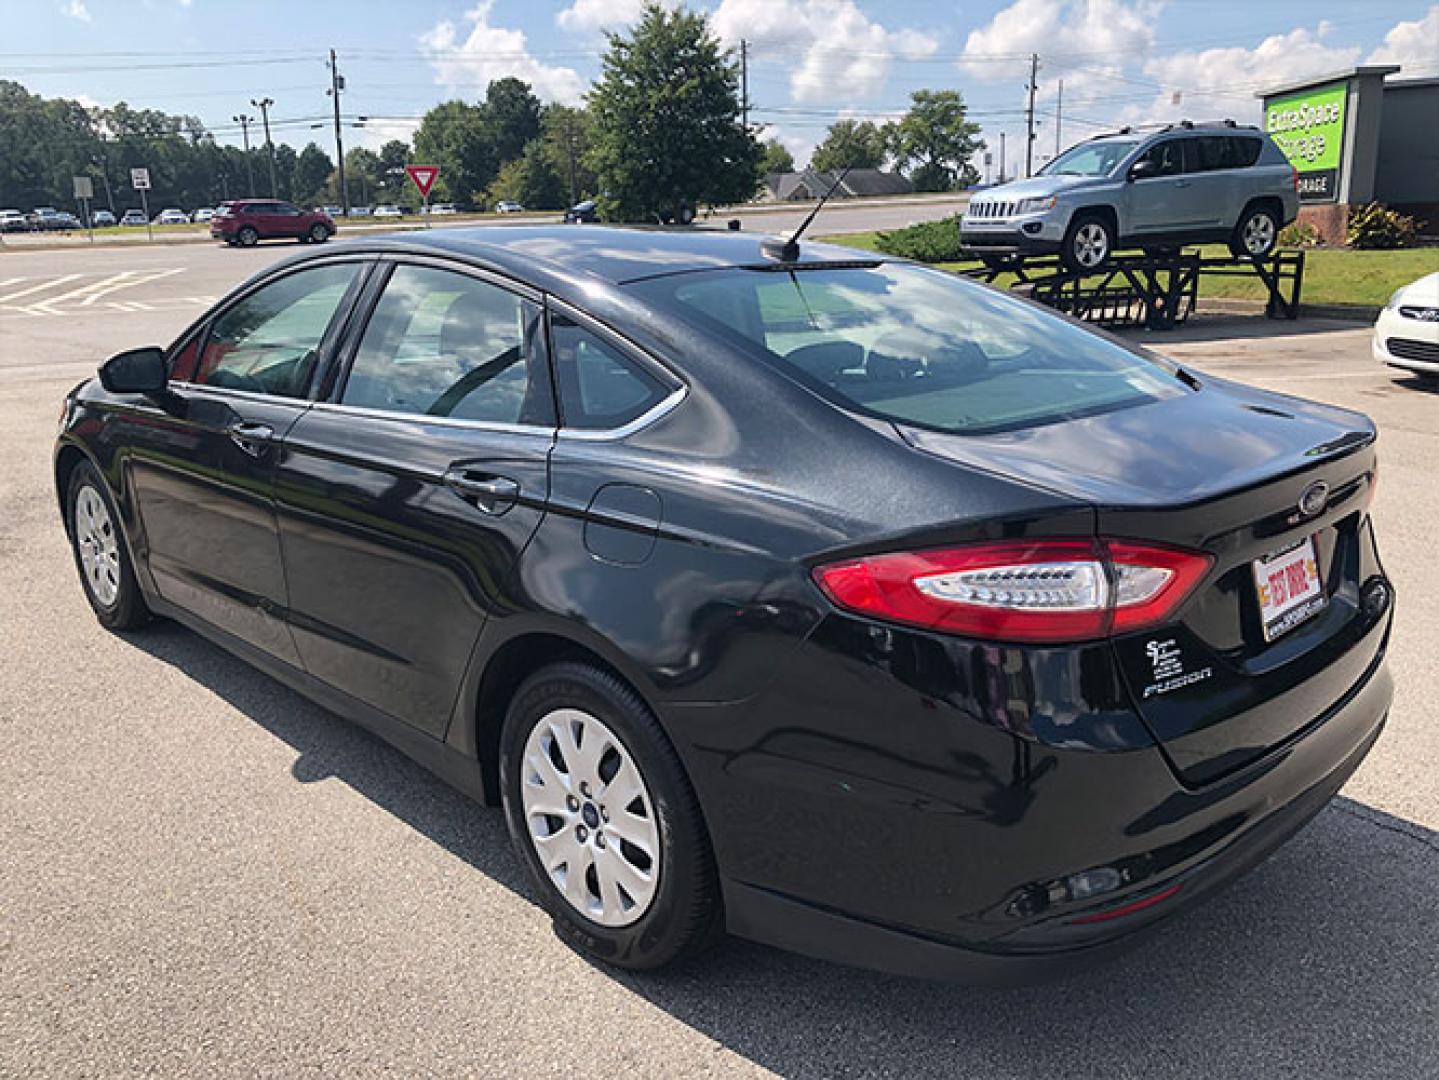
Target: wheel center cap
591,815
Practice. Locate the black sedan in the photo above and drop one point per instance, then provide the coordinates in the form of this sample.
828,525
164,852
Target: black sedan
833,601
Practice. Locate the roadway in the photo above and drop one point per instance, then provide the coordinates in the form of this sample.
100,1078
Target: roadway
203,874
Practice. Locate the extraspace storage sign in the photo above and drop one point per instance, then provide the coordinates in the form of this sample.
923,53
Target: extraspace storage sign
1309,127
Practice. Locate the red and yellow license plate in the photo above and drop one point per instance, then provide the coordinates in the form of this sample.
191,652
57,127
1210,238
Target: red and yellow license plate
1290,590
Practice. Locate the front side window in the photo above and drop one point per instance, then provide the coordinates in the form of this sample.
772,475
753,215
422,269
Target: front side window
445,344
269,342
1167,157
915,346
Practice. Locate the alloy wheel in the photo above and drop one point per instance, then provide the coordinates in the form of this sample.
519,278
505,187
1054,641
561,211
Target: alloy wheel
590,817
1091,244
98,546
1258,234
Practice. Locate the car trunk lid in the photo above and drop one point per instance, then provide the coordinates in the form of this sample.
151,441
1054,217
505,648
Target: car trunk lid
1220,470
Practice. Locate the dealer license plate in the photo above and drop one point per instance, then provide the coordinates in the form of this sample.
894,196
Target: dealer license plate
1290,590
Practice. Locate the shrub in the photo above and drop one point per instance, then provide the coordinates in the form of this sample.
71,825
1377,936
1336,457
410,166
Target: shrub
1298,234
929,241
1377,226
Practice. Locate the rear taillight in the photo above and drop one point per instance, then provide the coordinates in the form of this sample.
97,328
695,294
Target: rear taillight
1294,178
1032,590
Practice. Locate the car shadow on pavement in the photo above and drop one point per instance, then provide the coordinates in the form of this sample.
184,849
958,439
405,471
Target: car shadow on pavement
1324,962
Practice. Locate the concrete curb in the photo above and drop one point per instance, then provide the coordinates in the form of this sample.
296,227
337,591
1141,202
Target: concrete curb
1360,313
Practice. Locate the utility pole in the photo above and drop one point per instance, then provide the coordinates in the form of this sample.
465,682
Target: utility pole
1001,157
264,106
570,153
1058,116
744,82
337,83
1029,115
245,122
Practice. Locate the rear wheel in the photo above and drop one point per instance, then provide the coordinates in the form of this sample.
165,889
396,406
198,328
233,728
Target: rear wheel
247,237
1087,243
101,554
1256,234
604,819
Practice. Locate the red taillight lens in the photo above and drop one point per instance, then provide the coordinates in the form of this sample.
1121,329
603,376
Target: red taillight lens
1294,178
1034,590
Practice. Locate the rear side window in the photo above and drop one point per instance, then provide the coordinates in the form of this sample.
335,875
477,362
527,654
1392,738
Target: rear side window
1244,151
268,343
915,346
446,344
600,387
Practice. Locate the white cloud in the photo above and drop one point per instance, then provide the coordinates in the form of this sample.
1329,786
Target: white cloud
75,9
470,62
844,54
1222,82
1414,45
591,15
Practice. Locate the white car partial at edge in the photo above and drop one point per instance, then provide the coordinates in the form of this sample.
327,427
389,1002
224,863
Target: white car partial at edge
1407,332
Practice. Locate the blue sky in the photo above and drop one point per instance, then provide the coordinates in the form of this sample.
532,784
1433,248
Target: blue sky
811,60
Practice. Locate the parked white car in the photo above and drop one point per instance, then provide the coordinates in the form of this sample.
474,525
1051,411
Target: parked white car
1407,332
172,216
388,212
202,215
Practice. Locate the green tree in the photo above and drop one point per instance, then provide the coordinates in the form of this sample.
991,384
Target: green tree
775,159
312,171
530,180
455,136
512,117
667,131
850,144
933,142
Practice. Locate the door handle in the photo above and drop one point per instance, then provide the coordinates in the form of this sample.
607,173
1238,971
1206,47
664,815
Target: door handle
492,494
251,438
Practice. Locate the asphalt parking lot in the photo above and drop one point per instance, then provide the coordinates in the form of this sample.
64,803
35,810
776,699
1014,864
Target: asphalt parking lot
203,874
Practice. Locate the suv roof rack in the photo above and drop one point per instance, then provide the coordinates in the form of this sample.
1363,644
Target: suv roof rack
1186,125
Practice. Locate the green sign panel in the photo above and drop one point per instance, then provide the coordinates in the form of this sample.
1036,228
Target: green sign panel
1309,128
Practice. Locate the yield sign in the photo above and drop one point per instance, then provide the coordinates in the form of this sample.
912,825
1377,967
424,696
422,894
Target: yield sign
423,177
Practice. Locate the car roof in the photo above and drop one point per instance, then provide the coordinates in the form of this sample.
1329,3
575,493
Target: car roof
616,254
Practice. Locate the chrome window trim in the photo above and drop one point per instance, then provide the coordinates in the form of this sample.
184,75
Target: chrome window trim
482,273
624,431
252,395
426,418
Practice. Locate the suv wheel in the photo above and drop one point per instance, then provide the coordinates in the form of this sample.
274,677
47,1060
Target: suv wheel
1087,244
247,236
318,234
1256,234
605,821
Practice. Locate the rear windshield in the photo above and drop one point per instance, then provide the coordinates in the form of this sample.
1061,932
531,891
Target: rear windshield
916,346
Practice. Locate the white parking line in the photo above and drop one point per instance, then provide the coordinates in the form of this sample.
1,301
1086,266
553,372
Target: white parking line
48,283
156,276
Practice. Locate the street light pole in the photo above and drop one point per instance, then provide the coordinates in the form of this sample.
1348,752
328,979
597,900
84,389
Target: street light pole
264,106
245,122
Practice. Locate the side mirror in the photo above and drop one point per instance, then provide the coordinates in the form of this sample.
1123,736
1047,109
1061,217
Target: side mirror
136,371
1143,170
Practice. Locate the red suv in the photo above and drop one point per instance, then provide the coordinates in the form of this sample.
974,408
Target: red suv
248,221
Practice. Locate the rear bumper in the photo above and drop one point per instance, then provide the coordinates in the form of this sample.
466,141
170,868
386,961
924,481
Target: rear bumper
1276,798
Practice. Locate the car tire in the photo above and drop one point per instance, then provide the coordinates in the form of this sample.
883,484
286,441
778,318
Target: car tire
620,911
101,554
1088,243
1256,233
319,234
247,237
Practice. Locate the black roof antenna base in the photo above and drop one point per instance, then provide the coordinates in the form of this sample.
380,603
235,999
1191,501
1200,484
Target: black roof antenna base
785,247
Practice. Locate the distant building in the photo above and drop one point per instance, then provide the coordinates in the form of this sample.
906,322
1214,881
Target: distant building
813,183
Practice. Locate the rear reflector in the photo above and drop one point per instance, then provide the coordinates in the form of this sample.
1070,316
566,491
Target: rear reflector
1033,590
1129,908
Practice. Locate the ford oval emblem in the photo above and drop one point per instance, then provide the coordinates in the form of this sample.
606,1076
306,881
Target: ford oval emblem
1313,498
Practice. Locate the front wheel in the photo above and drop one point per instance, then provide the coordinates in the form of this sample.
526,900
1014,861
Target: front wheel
319,234
247,237
605,821
1087,243
101,554
1256,234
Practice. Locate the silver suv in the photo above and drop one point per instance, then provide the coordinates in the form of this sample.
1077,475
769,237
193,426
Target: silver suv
1157,190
